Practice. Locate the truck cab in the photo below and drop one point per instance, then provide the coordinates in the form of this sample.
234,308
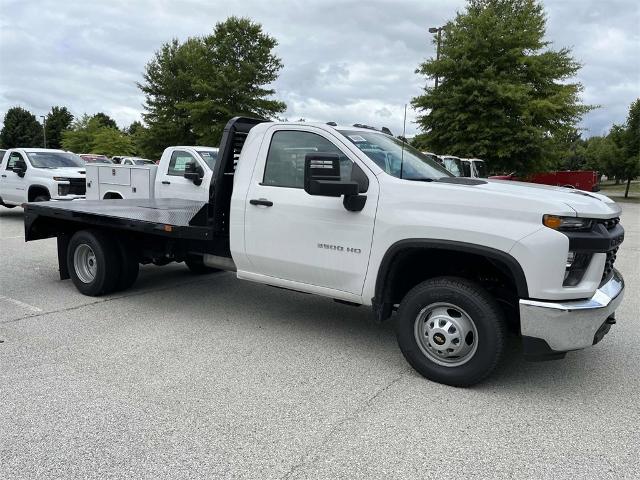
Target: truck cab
185,172
38,174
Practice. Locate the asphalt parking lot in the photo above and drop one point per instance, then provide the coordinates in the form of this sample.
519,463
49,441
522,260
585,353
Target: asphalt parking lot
211,377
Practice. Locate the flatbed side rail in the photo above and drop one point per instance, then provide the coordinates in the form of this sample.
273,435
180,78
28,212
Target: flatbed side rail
43,221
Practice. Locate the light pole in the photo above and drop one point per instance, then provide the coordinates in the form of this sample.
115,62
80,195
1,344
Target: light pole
44,129
438,31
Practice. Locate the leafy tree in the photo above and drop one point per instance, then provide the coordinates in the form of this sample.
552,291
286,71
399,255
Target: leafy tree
602,154
80,137
193,88
21,129
111,141
57,121
504,94
105,120
630,167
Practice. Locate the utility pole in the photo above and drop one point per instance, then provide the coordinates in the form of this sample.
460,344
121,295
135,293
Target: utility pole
438,31
44,129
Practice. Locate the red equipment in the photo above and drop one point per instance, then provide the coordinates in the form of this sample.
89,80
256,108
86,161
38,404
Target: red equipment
586,180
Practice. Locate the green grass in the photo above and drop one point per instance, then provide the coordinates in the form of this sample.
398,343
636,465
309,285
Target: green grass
616,192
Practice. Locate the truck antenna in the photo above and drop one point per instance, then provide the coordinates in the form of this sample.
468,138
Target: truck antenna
404,139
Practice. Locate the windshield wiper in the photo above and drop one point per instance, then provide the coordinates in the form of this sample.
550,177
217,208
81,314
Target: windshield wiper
420,179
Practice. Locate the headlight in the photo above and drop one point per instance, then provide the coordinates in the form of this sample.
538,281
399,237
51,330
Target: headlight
567,224
61,179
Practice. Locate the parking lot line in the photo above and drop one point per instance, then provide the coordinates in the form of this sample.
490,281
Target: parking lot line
20,304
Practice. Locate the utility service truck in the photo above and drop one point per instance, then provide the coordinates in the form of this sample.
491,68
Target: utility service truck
361,217
143,179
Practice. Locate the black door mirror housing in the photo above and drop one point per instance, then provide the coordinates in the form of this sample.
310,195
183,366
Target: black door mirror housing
322,178
20,168
193,173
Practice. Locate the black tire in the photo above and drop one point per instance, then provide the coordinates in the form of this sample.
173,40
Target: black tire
42,198
129,266
197,267
477,305
106,258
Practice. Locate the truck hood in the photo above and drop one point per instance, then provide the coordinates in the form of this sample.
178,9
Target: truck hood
71,172
584,204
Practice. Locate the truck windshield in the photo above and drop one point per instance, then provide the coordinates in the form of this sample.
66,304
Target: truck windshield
209,156
388,153
454,165
54,159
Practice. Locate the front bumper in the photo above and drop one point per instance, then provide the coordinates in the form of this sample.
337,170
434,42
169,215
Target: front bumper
549,329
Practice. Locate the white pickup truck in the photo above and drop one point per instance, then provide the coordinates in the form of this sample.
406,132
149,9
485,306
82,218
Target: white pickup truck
183,172
360,217
38,174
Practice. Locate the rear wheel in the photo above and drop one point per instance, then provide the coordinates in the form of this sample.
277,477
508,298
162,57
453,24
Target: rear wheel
94,263
451,331
196,264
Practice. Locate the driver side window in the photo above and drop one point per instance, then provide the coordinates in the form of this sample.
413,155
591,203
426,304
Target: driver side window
178,161
285,159
14,158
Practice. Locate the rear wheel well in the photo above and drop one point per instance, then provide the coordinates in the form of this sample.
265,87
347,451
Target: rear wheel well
36,191
112,196
404,268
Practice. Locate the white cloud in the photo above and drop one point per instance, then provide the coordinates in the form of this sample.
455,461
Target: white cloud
346,61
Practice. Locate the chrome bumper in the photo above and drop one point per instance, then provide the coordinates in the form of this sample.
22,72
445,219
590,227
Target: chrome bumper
573,324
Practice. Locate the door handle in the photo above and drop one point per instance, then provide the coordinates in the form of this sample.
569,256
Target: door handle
261,201
165,182
4,176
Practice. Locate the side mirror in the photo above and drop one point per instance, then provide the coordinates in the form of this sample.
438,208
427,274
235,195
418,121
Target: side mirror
193,173
20,168
322,177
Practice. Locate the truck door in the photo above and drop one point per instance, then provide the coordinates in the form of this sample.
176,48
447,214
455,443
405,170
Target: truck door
13,186
172,183
294,236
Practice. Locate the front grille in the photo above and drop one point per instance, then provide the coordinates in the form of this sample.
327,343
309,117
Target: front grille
77,186
610,222
608,264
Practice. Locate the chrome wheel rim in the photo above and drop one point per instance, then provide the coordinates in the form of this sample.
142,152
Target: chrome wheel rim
85,263
446,334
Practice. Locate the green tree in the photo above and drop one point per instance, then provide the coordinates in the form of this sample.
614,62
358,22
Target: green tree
602,154
105,120
111,141
193,88
630,166
79,138
57,121
21,129
504,94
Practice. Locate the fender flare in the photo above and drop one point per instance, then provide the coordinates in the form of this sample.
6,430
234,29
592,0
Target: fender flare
382,306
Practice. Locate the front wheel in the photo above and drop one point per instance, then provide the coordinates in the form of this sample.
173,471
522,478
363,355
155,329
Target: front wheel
42,198
451,331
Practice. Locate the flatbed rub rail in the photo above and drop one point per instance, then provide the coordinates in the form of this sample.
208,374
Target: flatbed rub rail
163,217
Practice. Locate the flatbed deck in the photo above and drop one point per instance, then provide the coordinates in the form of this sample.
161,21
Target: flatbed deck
171,217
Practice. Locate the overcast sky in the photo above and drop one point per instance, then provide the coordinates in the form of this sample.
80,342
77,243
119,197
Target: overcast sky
346,61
